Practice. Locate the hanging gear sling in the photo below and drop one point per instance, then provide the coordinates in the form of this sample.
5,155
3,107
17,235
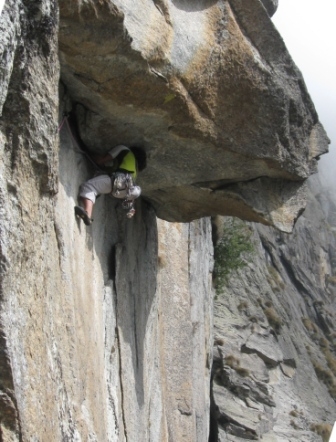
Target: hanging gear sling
123,185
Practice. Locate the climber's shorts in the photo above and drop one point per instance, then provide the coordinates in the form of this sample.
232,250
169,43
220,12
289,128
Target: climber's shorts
100,184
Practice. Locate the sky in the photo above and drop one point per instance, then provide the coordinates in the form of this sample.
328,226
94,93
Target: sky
309,31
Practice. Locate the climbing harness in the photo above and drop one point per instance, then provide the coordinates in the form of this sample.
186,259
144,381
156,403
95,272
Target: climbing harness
123,187
128,205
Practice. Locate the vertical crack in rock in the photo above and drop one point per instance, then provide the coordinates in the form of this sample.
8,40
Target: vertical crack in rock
136,345
10,427
121,377
162,6
118,339
287,265
60,244
28,180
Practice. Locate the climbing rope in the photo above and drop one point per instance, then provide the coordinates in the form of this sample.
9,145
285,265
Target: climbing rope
75,145
61,125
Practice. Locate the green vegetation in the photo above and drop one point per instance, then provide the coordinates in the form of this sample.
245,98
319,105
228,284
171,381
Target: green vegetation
275,279
325,374
273,318
331,360
231,361
242,306
234,363
294,425
162,262
329,374
169,97
231,251
327,377
219,341
311,327
331,279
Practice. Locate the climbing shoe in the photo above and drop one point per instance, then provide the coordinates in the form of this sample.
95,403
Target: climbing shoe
81,213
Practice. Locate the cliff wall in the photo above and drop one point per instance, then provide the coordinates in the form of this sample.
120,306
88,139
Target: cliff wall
91,327
29,177
106,331
274,357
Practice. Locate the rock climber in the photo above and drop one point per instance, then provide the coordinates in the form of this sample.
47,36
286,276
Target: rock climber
125,163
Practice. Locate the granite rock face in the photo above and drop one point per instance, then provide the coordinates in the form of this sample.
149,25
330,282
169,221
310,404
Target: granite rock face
210,91
94,320
28,181
91,327
274,372
106,331
271,6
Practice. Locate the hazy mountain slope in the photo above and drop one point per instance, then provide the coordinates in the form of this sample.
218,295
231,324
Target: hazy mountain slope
276,320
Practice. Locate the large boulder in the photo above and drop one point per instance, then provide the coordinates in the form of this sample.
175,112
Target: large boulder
209,90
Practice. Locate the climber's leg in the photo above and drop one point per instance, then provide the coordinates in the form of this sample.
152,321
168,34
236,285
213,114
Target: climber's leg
80,212
88,192
87,206
98,185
